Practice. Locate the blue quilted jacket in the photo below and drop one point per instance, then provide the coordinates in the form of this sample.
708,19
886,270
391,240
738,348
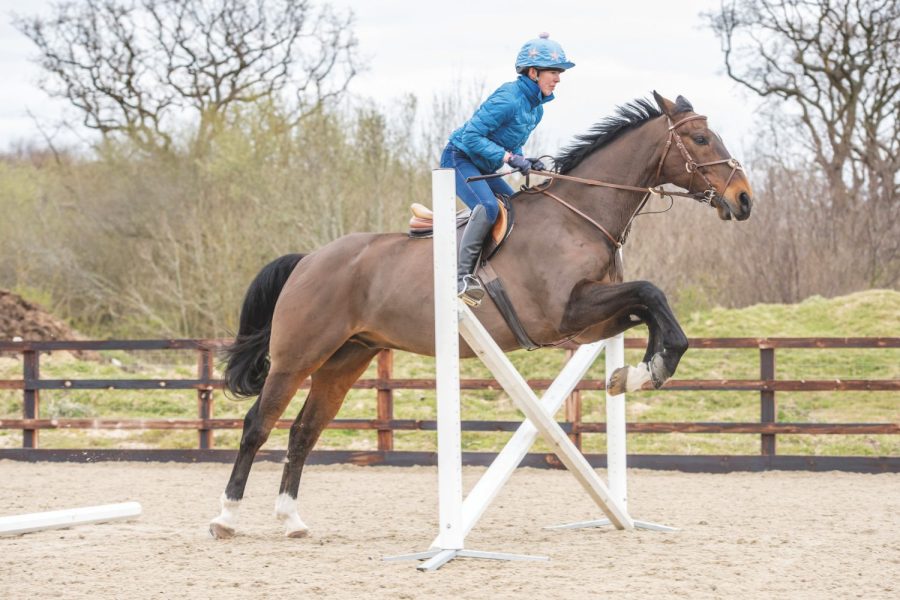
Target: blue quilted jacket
503,123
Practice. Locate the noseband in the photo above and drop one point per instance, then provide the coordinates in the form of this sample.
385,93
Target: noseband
692,166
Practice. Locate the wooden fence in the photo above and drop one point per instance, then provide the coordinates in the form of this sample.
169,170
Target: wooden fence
768,428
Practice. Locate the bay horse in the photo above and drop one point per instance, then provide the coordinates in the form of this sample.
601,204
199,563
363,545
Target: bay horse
327,314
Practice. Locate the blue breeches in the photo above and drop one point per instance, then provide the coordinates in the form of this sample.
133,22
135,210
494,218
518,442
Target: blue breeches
476,192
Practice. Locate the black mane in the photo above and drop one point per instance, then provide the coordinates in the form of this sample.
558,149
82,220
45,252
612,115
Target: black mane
632,114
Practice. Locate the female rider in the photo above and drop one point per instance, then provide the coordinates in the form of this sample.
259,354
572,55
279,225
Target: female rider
494,136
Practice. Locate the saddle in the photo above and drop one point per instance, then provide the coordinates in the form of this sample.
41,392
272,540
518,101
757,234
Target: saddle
421,225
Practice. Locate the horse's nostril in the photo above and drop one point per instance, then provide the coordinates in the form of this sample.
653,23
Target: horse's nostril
745,200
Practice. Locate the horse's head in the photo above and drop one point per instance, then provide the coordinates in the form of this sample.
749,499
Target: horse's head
696,159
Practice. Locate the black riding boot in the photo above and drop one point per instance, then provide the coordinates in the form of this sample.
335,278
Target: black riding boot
467,284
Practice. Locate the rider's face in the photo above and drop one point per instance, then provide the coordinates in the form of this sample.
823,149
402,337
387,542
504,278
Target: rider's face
546,80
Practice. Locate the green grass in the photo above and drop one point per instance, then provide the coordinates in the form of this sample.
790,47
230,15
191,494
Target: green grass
865,314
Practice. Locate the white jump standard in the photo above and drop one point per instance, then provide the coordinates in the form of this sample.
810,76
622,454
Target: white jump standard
452,533
452,318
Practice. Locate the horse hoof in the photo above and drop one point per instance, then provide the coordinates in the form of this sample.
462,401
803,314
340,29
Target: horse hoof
294,527
659,374
220,531
297,533
617,381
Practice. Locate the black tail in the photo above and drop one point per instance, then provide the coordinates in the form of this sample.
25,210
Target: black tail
247,360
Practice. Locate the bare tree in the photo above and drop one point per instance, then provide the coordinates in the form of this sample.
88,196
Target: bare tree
148,68
830,71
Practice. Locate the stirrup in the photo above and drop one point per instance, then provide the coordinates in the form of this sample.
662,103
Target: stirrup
472,291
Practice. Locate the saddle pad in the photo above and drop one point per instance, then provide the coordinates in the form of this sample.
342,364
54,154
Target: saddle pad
421,224
421,227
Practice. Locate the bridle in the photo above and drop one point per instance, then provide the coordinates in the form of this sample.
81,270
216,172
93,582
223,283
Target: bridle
692,166
707,196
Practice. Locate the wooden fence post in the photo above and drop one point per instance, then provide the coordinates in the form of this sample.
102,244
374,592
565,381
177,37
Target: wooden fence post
767,399
31,402
573,410
385,400
205,397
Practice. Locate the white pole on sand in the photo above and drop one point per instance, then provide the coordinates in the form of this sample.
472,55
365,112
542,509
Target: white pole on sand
58,519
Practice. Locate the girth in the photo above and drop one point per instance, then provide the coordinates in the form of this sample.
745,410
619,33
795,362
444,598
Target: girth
497,292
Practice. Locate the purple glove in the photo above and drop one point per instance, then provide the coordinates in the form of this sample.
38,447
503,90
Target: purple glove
536,164
520,163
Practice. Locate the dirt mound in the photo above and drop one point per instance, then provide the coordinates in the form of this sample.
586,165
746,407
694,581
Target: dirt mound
22,319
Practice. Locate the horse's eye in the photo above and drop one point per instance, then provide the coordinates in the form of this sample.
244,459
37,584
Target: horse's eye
702,140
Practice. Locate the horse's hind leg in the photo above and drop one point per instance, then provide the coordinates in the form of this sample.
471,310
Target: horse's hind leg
277,393
330,385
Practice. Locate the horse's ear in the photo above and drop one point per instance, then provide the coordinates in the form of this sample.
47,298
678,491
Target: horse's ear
682,104
665,105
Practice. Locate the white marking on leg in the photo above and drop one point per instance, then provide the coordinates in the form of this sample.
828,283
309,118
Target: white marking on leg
637,377
228,518
286,512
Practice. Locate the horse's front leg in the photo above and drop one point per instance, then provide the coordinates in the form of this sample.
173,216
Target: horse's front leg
609,309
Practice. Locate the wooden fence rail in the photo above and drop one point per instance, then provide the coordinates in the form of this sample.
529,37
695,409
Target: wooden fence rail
385,424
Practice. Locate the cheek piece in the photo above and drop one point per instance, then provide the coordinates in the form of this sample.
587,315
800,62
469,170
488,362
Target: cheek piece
692,166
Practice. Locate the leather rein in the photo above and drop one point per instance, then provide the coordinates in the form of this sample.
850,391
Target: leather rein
691,166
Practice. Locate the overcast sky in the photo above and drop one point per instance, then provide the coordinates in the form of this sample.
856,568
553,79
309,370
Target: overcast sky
622,50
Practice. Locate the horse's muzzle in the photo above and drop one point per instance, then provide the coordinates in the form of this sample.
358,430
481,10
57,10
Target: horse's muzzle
729,209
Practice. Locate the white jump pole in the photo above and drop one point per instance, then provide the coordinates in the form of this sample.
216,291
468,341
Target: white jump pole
59,519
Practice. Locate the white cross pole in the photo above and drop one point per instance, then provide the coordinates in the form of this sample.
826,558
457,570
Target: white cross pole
515,385
487,488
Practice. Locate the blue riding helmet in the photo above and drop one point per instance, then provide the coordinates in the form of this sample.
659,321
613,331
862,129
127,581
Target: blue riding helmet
542,53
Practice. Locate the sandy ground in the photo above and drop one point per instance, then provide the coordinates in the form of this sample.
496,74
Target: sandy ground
768,535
